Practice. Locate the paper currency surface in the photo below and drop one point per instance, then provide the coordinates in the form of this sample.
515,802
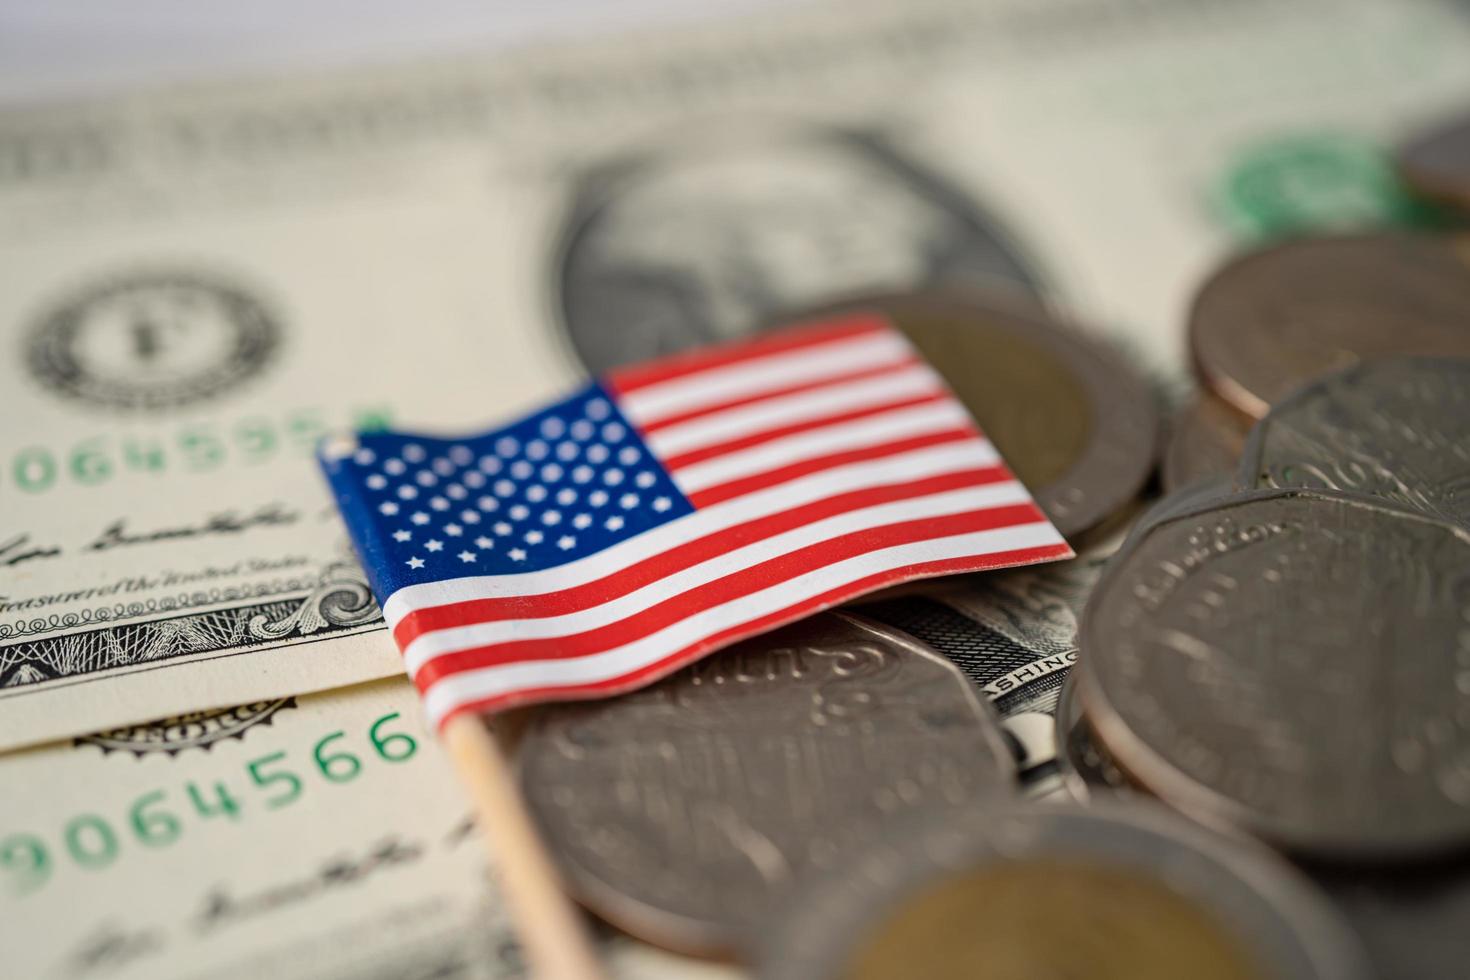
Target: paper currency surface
1013,634
321,836
198,282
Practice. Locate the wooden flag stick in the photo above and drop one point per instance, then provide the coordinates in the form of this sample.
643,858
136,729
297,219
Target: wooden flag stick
557,944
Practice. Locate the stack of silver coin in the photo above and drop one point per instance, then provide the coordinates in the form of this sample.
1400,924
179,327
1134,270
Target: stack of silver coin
1285,652
1260,765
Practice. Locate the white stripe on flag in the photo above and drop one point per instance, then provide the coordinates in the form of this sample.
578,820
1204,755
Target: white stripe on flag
430,645
487,682
813,443
903,468
802,406
768,372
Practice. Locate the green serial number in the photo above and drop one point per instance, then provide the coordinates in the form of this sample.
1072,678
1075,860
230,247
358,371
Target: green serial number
159,818
193,448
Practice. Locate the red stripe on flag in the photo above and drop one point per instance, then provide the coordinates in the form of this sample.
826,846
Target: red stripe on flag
754,578
631,680
758,481
892,367
677,559
629,379
756,438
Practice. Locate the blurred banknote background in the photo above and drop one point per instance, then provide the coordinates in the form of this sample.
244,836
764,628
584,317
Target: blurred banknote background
218,244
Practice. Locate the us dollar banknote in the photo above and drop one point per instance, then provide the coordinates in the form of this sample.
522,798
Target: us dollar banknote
1014,635
321,836
200,281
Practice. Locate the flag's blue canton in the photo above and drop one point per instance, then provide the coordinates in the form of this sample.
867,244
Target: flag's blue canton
563,483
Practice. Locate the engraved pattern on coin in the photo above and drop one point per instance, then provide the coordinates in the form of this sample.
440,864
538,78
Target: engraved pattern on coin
1293,662
193,730
1279,317
153,341
1397,428
1265,914
708,238
1188,499
677,811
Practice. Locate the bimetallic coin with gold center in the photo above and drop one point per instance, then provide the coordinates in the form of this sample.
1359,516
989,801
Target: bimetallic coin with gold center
1118,924
1122,890
1074,421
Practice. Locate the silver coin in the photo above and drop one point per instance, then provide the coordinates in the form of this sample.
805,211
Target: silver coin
829,927
1085,766
1397,428
676,812
1187,499
1295,663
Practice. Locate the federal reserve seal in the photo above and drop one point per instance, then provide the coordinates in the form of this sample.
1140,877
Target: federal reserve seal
709,238
152,341
194,730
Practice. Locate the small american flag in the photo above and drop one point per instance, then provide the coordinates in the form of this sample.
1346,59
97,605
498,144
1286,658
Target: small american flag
672,508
